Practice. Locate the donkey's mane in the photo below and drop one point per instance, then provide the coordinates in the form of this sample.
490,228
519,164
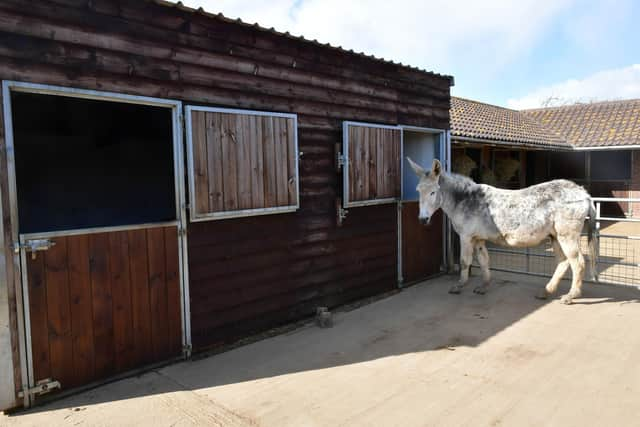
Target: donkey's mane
462,188
460,180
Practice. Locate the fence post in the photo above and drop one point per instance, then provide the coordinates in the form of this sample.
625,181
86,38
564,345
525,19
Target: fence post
596,243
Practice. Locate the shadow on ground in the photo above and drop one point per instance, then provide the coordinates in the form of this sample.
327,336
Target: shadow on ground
422,318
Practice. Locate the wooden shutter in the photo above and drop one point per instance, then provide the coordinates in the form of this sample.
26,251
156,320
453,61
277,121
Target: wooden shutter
372,167
241,163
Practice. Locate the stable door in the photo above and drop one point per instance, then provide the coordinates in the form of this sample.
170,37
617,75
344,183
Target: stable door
95,191
421,245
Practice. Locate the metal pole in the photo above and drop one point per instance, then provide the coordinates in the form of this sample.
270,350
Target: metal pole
596,243
399,213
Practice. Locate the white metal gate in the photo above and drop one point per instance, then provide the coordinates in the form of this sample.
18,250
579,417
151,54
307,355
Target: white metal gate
617,254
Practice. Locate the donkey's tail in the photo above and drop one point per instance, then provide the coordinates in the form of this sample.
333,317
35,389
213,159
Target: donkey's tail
591,238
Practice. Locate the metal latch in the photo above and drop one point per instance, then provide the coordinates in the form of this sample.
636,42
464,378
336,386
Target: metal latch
34,246
341,213
42,387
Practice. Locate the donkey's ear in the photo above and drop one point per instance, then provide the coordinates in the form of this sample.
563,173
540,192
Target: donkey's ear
419,170
436,168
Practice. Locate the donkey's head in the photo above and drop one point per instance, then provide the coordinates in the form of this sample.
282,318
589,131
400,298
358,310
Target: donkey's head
428,188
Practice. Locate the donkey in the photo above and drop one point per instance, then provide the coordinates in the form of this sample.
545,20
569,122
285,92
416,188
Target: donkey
517,218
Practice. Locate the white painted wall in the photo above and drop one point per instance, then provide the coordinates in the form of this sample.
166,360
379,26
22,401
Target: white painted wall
422,148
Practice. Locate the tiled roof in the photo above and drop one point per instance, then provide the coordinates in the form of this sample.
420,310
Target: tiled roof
180,6
480,121
599,124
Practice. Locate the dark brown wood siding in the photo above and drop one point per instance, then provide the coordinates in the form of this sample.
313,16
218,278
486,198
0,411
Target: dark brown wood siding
252,273
90,296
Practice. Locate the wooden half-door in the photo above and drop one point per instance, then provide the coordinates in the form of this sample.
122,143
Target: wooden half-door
103,303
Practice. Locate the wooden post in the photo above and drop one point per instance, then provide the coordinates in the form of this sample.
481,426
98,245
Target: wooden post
523,168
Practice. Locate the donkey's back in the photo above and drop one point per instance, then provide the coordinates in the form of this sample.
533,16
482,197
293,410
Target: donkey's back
527,216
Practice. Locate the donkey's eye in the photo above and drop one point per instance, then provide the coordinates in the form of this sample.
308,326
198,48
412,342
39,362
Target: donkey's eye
432,193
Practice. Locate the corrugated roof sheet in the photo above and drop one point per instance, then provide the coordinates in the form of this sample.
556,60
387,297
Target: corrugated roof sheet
220,16
477,120
598,124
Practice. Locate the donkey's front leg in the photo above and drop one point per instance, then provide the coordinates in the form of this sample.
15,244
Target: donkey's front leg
466,257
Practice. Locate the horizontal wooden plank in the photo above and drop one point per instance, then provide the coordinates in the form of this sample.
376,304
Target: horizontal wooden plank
205,338
191,68
338,292
239,289
292,227
12,68
216,35
227,269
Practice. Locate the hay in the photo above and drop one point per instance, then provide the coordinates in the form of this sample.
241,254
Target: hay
506,168
488,177
463,165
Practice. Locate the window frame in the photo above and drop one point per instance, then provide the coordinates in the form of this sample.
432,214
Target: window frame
590,155
239,213
345,175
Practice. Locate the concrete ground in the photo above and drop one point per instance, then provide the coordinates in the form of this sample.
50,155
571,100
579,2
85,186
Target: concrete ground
418,358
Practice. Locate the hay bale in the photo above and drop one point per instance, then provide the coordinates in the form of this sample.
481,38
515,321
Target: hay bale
488,177
463,165
506,168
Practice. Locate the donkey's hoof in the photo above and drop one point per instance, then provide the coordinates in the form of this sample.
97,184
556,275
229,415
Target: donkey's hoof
480,290
542,295
455,289
566,299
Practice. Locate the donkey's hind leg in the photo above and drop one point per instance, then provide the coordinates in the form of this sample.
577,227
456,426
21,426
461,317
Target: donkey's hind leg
561,268
466,257
483,259
571,248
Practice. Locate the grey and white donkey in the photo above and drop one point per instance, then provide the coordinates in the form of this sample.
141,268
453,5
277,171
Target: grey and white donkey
518,218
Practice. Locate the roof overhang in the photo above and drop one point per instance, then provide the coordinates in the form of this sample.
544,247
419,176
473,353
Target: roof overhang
510,144
609,147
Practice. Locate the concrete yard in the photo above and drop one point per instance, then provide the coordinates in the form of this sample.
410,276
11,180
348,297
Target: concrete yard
421,357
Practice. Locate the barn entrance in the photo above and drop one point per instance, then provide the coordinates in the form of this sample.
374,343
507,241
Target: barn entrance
95,187
421,246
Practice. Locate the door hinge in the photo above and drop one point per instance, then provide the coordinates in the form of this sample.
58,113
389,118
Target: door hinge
41,387
186,350
34,245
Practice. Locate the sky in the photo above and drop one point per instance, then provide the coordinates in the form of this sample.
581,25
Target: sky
516,54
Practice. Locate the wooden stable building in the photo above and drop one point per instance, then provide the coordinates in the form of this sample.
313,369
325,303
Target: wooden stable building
173,181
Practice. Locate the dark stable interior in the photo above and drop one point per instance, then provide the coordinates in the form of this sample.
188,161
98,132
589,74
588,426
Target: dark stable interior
83,163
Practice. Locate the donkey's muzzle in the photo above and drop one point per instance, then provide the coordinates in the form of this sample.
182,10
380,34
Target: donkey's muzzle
425,220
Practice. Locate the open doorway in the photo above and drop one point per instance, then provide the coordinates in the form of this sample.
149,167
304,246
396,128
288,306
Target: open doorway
422,246
83,163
